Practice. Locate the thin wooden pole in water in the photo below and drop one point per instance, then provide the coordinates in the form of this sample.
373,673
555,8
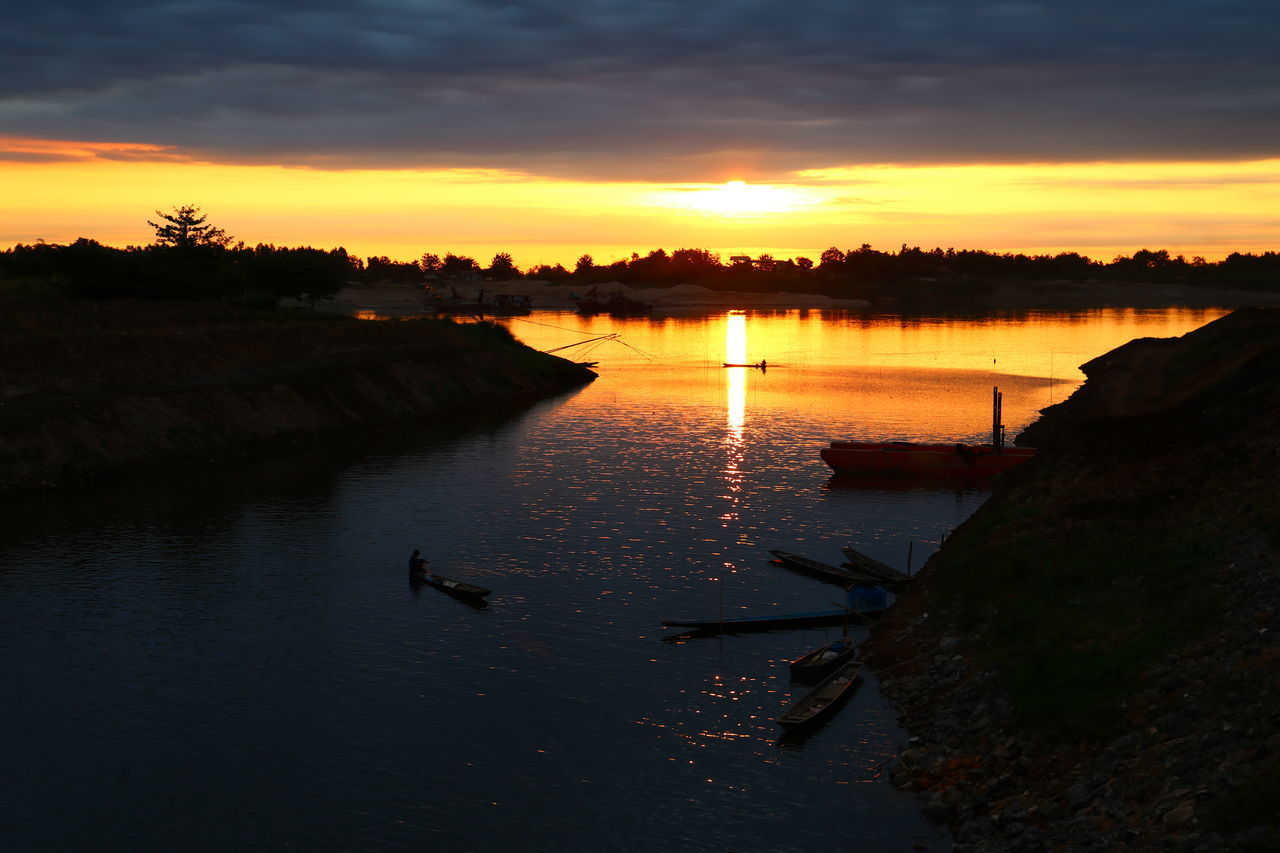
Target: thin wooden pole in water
720,633
910,546
721,617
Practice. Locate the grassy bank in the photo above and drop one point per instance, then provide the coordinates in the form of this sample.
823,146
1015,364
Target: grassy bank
101,389
1091,659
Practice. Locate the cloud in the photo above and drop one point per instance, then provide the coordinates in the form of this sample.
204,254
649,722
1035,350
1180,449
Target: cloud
649,90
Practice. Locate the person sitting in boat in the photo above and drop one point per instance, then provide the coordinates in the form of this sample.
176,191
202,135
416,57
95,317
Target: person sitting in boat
417,563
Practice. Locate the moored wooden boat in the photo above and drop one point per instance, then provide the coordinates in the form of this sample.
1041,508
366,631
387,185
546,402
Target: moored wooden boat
822,660
733,624
825,571
906,457
823,699
871,566
865,601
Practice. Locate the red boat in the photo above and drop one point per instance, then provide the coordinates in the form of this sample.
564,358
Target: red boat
905,457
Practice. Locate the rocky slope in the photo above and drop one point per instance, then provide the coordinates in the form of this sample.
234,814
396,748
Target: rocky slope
98,389
1091,661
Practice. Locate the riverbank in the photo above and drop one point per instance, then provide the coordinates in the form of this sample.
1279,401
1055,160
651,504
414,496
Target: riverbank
101,389
1091,660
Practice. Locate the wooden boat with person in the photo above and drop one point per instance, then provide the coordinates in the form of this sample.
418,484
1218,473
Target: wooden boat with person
461,589
823,699
822,660
825,571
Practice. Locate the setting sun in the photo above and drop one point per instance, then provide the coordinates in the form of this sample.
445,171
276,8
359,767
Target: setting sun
738,198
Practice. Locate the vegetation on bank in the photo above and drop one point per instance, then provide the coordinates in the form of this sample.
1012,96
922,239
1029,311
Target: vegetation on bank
193,259
110,388
1092,655
1075,620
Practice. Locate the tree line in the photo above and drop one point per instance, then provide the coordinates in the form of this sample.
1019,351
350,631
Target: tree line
192,259
860,272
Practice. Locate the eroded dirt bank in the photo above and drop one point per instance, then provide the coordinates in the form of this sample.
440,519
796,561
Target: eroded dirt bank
98,389
1091,661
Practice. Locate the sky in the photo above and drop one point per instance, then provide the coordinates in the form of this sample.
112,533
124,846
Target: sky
552,128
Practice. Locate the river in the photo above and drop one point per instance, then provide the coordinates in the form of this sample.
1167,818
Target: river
232,657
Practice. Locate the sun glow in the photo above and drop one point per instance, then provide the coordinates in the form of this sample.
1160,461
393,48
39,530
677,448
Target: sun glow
58,191
738,198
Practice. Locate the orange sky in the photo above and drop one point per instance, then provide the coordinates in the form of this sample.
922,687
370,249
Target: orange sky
56,191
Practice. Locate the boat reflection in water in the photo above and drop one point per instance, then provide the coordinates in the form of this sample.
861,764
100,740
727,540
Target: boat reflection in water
896,483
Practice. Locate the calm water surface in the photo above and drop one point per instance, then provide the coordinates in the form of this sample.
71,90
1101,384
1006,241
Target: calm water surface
233,658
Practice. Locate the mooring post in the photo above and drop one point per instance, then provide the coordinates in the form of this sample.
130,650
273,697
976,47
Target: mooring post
997,413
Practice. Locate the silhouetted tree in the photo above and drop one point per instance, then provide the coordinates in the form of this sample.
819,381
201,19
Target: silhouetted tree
430,263
693,265
830,259
187,228
458,264
543,272
382,268
502,266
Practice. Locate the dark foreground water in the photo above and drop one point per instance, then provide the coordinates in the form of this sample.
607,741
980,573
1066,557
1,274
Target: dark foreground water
233,659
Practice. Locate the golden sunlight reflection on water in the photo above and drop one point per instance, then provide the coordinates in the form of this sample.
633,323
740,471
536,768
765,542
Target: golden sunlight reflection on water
839,374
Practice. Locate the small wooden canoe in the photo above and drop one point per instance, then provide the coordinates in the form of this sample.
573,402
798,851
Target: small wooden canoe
822,660
460,588
825,571
823,699
734,624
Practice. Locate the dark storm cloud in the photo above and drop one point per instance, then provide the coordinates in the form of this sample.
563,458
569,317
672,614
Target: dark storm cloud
607,88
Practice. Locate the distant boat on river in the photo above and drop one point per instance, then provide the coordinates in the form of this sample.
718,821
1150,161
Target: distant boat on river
905,457
501,305
616,304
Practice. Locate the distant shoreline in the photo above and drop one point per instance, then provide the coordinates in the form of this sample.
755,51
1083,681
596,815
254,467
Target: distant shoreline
400,300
